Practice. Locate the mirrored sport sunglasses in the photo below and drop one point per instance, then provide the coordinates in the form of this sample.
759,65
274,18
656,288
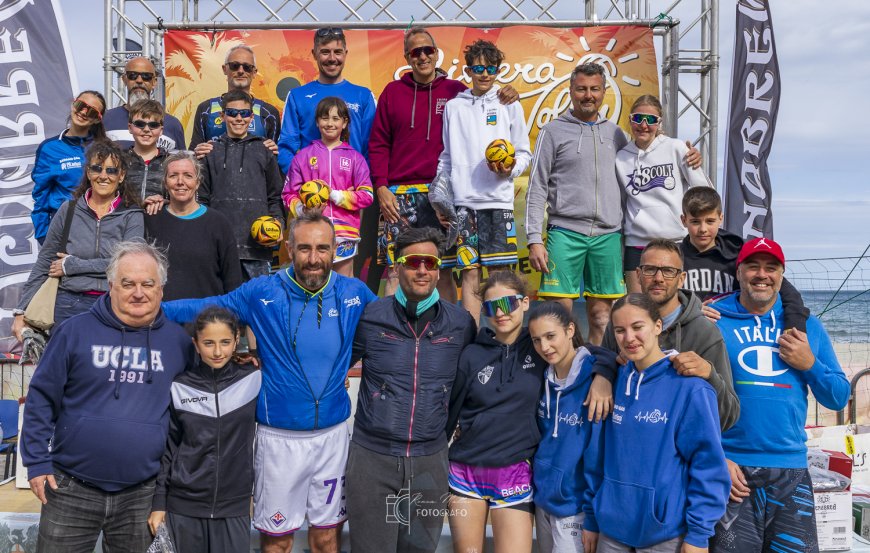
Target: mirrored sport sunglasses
648,118
90,111
479,69
153,125
413,261
97,169
235,65
421,51
233,112
146,76
329,31
507,304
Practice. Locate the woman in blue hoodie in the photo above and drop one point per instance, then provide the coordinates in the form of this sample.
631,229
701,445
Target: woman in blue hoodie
567,437
660,482
60,161
493,401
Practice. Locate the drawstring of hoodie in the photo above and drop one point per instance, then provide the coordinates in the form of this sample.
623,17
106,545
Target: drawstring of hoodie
226,150
637,386
429,119
414,105
414,110
150,376
556,426
121,363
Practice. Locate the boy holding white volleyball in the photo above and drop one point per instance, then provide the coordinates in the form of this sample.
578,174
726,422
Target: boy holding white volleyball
483,192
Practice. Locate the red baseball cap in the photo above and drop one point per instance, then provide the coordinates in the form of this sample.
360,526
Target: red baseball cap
760,245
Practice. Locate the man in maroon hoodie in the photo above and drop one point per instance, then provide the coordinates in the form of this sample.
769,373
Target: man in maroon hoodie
405,144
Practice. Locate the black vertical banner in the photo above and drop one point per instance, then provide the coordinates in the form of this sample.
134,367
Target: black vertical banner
755,88
36,88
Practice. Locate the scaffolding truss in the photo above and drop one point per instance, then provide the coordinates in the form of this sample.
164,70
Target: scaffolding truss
687,36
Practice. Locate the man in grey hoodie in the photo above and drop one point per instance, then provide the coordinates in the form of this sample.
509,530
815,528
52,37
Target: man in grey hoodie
701,348
573,178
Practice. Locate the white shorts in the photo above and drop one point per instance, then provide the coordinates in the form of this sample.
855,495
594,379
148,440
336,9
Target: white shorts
345,248
299,474
559,534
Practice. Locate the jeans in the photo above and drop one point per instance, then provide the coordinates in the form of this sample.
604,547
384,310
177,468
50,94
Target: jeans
76,513
68,304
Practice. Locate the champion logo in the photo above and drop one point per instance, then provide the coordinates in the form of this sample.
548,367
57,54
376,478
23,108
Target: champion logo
278,519
528,363
333,312
265,301
485,374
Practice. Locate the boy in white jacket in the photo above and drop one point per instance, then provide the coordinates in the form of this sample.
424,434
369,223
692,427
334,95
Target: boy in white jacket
483,192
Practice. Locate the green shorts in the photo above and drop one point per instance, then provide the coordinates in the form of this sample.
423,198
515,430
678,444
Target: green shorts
575,259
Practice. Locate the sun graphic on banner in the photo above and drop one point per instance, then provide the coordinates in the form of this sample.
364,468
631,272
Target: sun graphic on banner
613,69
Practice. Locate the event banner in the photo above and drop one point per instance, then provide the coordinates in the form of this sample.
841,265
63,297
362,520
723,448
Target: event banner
538,64
37,80
755,88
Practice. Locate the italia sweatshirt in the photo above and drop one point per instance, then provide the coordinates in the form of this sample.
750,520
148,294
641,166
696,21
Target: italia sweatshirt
653,182
773,395
470,124
572,178
661,472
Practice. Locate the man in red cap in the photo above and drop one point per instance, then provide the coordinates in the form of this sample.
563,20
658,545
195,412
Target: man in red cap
771,502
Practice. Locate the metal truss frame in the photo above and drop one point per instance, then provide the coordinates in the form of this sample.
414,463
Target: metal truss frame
687,32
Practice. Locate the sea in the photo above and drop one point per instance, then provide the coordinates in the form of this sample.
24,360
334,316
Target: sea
845,314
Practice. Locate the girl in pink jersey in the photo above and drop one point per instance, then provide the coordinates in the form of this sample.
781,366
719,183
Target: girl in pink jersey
332,160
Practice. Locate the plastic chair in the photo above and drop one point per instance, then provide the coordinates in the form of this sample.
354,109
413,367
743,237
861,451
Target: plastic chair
9,445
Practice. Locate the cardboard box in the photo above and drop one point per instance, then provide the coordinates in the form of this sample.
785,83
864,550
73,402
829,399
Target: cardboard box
834,520
861,516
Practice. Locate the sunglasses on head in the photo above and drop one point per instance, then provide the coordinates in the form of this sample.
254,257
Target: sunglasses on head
648,118
414,261
144,75
235,65
422,51
233,112
507,304
153,125
669,273
329,31
479,69
90,111
97,169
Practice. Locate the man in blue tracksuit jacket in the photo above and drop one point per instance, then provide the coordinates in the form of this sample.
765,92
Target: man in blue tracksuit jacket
304,318
771,507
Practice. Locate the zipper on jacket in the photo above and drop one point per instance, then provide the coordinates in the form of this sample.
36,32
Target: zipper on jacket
97,247
217,469
145,177
414,389
316,411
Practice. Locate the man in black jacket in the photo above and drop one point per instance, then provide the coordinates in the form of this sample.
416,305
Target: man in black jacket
409,345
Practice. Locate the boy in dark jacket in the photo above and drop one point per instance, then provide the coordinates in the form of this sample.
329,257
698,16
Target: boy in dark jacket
145,158
241,179
710,257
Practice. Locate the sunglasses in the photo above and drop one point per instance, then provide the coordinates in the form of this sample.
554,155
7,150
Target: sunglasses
669,273
507,304
235,65
648,118
422,51
97,169
233,112
328,31
153,125
90,111
479,69
414,261
135,75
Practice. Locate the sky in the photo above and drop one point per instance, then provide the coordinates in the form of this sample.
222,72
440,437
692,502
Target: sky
820,199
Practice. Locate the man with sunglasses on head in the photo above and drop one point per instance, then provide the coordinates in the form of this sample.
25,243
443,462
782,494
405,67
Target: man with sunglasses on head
299,124
699,345
404,146
239,66
140,78
409,344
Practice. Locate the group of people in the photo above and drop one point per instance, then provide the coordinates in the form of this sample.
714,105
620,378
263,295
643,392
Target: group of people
676,426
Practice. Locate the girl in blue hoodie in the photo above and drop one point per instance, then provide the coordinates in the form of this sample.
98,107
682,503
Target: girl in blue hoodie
568,439
660,482
493,400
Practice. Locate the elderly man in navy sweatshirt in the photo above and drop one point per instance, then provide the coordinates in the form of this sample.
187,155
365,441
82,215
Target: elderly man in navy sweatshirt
97,412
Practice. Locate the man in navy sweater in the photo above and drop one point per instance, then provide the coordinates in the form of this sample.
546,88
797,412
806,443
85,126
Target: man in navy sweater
97,412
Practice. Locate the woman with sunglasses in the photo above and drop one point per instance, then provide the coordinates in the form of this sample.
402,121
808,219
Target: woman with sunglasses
654,175
60,160
497,388
105,212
